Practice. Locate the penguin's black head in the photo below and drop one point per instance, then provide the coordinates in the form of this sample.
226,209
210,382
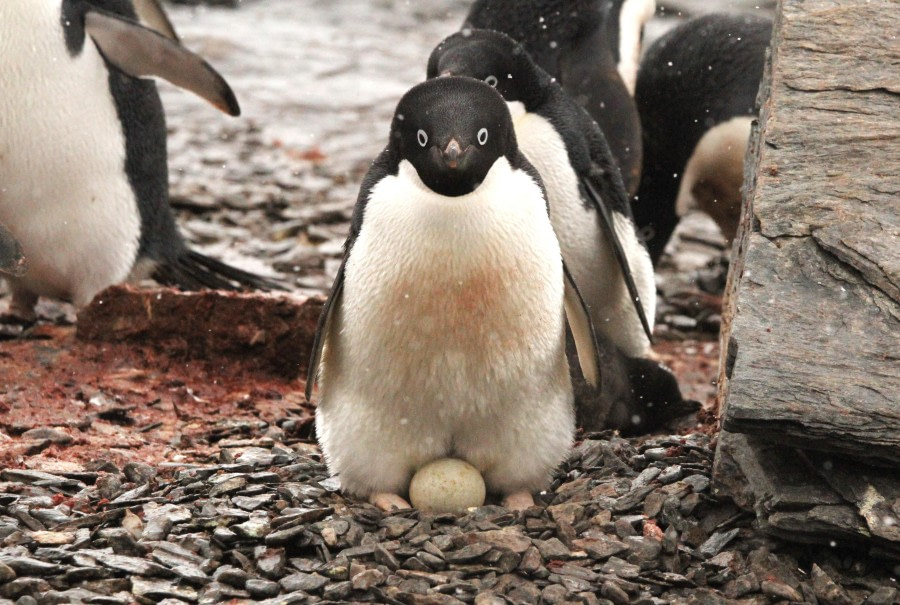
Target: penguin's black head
494,58
453,130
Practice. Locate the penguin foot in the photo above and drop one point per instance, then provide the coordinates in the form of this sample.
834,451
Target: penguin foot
389,502
21,309
520,500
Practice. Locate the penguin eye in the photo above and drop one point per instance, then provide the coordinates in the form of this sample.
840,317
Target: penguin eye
422,137
491,81
482,136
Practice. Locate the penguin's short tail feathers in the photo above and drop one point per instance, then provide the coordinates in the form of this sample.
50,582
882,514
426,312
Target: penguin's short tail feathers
195,271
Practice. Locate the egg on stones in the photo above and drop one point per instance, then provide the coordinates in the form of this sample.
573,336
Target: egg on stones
446,485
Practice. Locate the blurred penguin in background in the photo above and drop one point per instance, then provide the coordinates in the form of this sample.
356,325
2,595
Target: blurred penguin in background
696,94
591,47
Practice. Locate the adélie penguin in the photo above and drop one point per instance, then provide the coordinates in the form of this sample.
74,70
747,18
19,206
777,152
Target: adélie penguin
696,94
591,47
83,166
444,332
589,210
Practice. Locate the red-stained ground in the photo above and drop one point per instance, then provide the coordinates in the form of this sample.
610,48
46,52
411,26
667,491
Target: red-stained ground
134,402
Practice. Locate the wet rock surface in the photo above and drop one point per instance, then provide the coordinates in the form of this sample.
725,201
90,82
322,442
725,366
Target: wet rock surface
611,530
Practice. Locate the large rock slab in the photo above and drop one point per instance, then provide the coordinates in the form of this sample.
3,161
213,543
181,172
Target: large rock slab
812,321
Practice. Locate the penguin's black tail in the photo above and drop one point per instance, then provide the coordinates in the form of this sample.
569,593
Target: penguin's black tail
194,271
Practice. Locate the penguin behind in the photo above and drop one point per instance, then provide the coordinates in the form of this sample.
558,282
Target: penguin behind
83,151
444,332
590,212
696,94
591,47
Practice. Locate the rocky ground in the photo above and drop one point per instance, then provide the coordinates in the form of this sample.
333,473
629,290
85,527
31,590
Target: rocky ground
163,468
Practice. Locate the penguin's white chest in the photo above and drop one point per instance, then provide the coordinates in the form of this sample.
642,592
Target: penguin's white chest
589,254
449,298
64,192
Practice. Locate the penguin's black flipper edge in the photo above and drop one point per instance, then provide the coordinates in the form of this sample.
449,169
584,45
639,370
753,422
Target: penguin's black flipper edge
151,14
583,333
195,271
140,52
322,330
609,228
12,260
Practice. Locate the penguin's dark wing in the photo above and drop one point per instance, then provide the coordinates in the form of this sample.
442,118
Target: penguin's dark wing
140,52
12,260
384,165
601,185
152,15
582,328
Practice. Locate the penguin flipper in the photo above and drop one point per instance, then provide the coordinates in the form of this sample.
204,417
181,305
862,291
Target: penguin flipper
323,328
12,260
582,328
195,271
609,229
139,52
151,15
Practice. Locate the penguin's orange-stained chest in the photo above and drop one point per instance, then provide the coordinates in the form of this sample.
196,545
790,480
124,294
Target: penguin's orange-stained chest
471,273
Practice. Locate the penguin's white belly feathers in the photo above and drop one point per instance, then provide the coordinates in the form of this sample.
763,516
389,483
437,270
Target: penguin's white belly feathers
64,193
449,338
588,253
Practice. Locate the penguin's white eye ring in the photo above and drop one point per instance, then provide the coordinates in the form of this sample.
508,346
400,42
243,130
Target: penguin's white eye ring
422,137
482,136
491,81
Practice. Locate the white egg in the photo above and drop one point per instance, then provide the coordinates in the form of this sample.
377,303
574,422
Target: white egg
447,485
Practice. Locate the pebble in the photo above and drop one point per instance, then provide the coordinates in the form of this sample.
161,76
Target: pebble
262,588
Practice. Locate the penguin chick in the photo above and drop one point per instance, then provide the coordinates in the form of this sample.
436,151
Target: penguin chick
696,94
83,151
591,47
590,212
12,260
444,333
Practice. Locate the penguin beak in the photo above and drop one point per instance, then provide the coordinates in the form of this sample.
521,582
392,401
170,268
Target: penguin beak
451,153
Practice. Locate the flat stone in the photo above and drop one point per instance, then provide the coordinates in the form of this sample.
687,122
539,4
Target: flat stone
509,539
7,573
270,561
337,592
53,435
621,568
27,566
157,590
468,553
233,576
131,565
307,582
367,579
552,549
717,542
52,538
262,588
601,546
614,593
256,527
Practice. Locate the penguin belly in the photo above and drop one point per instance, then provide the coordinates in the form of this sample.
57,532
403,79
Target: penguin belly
589,255
64,192
449,339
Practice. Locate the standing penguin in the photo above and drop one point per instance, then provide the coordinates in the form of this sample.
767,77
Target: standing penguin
591,47
696,94
444,333
83,161
588,206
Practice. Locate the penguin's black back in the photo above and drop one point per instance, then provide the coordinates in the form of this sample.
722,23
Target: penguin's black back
702,73
141,114
544,27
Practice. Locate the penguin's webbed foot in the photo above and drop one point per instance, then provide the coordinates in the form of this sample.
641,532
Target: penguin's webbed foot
519,500
389,502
